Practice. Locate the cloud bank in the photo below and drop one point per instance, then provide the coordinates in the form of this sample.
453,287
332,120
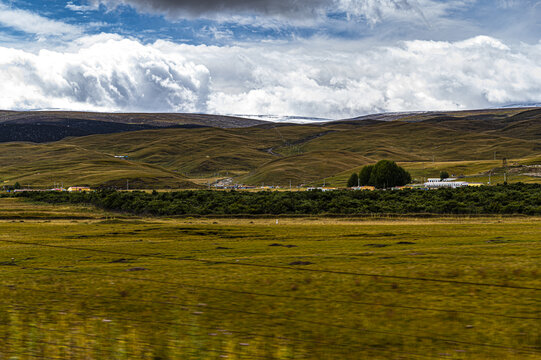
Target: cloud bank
334,79
116,75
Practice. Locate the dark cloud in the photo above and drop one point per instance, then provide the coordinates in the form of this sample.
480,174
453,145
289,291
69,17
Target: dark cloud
282,8
371,10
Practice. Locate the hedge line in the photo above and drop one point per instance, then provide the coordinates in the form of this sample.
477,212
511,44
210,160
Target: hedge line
503,199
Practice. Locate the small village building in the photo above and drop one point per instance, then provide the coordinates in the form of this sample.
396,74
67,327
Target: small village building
368,188
78,189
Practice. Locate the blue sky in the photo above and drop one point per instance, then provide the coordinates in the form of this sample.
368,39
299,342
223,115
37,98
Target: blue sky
320,58
509,20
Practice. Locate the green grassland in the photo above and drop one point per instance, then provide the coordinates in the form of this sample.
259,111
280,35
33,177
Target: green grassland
307,288
464,142
14,209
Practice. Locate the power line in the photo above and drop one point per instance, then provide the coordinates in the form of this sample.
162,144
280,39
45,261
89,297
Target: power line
218,262
303,298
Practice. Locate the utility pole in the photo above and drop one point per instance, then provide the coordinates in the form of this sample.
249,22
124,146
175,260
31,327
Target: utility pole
289,184
127,185
504,164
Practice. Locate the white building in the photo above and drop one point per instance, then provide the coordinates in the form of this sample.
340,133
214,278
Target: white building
436,183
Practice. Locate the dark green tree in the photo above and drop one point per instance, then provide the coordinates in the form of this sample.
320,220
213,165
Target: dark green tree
387,174
17,185
353,180
444,175
364,176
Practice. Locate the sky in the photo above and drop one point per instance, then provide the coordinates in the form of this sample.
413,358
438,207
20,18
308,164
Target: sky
315,58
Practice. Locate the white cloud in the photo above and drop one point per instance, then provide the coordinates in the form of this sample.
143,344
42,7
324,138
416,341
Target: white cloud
320,78
32,23
82,8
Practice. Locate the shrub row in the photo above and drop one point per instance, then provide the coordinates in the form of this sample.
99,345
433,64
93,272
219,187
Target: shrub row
503,199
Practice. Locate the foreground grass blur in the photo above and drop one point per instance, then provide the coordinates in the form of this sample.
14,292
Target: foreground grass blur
134,288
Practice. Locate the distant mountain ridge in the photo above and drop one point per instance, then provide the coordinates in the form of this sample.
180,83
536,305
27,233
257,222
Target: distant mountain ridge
154,119
47,126
523,105
287,119
58,130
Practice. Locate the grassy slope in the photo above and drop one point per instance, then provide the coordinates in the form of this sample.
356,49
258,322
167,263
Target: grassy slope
46,164
401,141
198,151
81,304
304,168
527,129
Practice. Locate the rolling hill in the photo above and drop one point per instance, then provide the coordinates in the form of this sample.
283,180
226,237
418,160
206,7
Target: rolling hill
270,153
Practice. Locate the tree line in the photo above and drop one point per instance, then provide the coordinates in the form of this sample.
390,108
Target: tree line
502,199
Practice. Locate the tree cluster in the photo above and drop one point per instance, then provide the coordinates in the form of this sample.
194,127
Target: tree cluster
384,174
15,186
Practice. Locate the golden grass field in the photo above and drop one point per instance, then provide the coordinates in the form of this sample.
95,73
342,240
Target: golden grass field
80,283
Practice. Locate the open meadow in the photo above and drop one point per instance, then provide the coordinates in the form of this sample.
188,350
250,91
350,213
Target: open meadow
80,283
